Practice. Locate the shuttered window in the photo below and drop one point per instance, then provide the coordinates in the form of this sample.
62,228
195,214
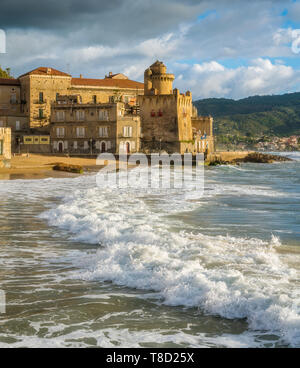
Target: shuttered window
127,131
80,131
60,132
103,131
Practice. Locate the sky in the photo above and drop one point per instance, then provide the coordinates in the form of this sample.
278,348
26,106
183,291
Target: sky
215,48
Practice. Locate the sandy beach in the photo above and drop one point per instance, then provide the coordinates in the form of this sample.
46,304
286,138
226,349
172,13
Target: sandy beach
41,167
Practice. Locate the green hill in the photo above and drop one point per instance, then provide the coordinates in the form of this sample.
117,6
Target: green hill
277,115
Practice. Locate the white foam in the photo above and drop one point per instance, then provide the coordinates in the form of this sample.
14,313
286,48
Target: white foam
222,275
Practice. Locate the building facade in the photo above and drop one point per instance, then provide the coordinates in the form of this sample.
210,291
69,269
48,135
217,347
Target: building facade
93,128
148,117
168,120
42,86
11,111
5,147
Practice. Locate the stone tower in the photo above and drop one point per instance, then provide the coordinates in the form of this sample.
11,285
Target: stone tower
165,113
157,81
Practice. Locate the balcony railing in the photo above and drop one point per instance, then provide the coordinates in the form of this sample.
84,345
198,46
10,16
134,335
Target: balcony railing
40,102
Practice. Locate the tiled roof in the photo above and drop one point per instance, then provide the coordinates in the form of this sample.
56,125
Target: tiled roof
46,71
9,82
108,82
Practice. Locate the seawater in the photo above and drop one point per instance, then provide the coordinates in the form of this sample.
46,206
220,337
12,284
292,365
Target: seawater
87,266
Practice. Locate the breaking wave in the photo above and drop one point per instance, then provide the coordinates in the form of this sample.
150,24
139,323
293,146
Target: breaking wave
141,247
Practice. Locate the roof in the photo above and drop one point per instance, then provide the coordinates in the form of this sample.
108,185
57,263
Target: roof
108,82
9,82
46,71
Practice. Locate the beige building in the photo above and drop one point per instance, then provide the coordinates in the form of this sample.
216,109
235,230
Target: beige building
42,86
5,147
168,120
93,128
156,116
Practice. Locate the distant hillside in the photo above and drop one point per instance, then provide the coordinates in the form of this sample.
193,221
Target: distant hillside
254,116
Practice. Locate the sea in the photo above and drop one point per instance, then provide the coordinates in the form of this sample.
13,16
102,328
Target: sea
89,266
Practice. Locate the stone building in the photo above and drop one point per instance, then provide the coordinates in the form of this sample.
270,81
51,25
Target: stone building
5,147
156,116
168,120
203,134
11,110
93,128
41,87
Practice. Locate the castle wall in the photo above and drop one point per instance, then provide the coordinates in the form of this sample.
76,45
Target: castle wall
166,122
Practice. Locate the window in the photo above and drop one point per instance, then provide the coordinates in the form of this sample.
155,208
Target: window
60,115
75,145
79,115
86,145
127,131
103,115
1,147
95,99
57,95
18,125
13,98
60,132
41,113
103,132
41,97
1,123
80,131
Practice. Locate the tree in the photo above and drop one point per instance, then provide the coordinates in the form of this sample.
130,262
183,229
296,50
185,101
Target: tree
5,73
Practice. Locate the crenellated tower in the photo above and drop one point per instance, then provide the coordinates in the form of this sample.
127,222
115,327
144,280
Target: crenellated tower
157,81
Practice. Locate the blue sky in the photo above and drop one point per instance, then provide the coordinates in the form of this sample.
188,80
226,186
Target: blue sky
216,48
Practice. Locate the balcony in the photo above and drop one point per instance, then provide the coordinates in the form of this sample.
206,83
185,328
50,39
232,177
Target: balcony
39,117
40,102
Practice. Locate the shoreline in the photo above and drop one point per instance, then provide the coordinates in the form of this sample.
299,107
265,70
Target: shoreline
35,166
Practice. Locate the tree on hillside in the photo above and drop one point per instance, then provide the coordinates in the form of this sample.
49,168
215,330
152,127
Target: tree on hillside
5,73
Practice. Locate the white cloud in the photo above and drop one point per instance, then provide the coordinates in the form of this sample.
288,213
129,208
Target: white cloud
260,77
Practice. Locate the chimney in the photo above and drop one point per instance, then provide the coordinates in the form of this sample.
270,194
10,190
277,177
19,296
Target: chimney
80,76
48,70
110,74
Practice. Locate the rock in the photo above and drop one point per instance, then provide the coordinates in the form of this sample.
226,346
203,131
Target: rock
264,158
76,169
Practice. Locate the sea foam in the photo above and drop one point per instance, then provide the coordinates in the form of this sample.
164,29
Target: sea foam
221,275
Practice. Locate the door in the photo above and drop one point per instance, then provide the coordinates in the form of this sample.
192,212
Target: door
127,147
60,147
103,147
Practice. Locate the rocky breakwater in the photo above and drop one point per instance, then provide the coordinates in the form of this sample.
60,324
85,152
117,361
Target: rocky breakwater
232,158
